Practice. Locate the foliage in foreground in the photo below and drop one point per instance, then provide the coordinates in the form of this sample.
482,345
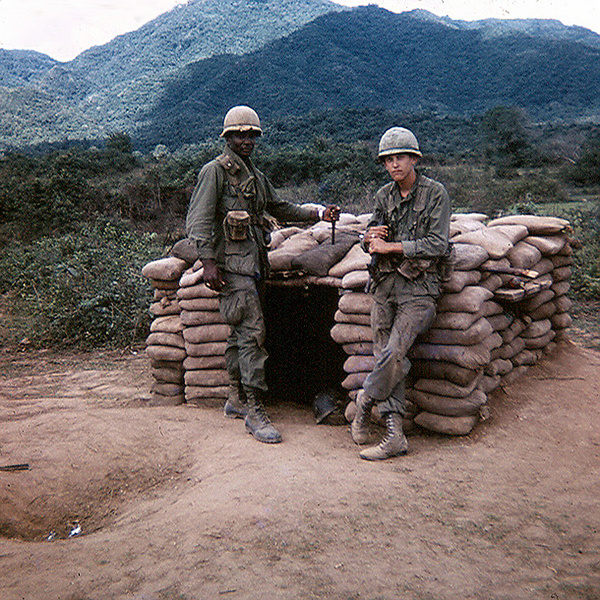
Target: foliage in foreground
83,289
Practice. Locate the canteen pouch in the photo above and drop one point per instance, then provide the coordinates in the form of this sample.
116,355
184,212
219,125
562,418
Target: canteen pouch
237,225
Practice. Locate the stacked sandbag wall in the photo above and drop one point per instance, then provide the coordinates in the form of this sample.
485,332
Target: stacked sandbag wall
165,344
502,307
205,334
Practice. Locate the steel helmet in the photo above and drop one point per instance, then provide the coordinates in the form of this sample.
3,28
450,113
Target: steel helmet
398,140
241,118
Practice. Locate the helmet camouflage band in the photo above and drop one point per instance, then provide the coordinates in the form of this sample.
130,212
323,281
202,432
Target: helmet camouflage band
398,140
241,118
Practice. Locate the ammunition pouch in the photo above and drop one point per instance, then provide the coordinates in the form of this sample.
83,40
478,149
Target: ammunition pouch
237,225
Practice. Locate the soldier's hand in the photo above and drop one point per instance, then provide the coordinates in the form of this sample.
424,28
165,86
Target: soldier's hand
378,246
376,232
212,275
331,213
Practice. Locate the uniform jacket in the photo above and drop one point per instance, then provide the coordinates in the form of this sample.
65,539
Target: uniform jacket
421,221
226,184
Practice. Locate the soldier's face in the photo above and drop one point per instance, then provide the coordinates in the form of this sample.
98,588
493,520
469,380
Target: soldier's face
242,142
400,166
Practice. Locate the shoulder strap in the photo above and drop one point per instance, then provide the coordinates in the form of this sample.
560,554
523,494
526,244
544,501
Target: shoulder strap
232,170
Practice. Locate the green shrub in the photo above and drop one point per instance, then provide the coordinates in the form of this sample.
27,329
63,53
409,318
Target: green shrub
82,289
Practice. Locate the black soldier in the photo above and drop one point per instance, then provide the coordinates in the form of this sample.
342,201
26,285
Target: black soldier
228,218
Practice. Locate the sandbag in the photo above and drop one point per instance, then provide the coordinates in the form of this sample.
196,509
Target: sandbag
164,285
160,294
537,328
442,387
560,260
561,287
514,375
358,363
318,260
507,351
544,311
464,337
160,338
496,266
166,353
355,260
167,389
459,279
205,349
356,302
165,307
543,266
355,280
499,366
561,321
450,407
469,256
492,282
500,322
563,304
193,363
168,375
192,318
489,383
363,348
458,217
526,357
198,291
358,319
206,333
455,320
435,369
464,226
514,233
548,244
343,333
470,357
491,239
168,324
354,381
534,224
186,250
447,425
166,364
539,342
279,236
194,392
523,255
470,299
561,273
207,377
169,268
157,399
193,276
538,299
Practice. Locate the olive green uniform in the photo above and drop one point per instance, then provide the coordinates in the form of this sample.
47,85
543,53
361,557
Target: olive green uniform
230,184
405,288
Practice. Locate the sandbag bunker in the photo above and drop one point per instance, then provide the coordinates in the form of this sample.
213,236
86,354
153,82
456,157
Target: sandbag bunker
504,305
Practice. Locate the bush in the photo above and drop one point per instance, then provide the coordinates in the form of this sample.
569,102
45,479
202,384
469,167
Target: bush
82,289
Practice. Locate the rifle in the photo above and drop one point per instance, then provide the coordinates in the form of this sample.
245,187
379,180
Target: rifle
374,264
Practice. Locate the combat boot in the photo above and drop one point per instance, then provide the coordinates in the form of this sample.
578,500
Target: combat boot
394,442
235,406
257,420
360,424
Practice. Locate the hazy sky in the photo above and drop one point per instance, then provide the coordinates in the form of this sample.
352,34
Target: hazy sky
64,28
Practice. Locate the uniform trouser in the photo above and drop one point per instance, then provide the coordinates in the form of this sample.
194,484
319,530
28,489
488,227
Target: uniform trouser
396,320
241,304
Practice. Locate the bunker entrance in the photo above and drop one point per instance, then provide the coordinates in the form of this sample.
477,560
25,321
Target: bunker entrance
303,358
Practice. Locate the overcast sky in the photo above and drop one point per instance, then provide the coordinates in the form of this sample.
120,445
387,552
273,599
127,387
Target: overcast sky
64,28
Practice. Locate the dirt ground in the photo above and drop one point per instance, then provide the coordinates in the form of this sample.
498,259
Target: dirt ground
181,503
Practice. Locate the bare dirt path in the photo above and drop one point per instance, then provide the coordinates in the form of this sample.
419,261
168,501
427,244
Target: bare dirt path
180,503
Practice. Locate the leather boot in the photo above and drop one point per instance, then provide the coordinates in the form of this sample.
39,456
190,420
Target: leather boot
360,425
394,442
257,421
235,406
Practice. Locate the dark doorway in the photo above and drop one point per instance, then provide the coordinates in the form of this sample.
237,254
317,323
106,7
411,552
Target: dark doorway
303,359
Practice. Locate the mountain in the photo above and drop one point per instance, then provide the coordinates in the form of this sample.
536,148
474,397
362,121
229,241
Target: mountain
108,87
172,80
369,57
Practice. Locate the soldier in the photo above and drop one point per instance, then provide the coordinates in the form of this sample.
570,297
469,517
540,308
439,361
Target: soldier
408,233
228,218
